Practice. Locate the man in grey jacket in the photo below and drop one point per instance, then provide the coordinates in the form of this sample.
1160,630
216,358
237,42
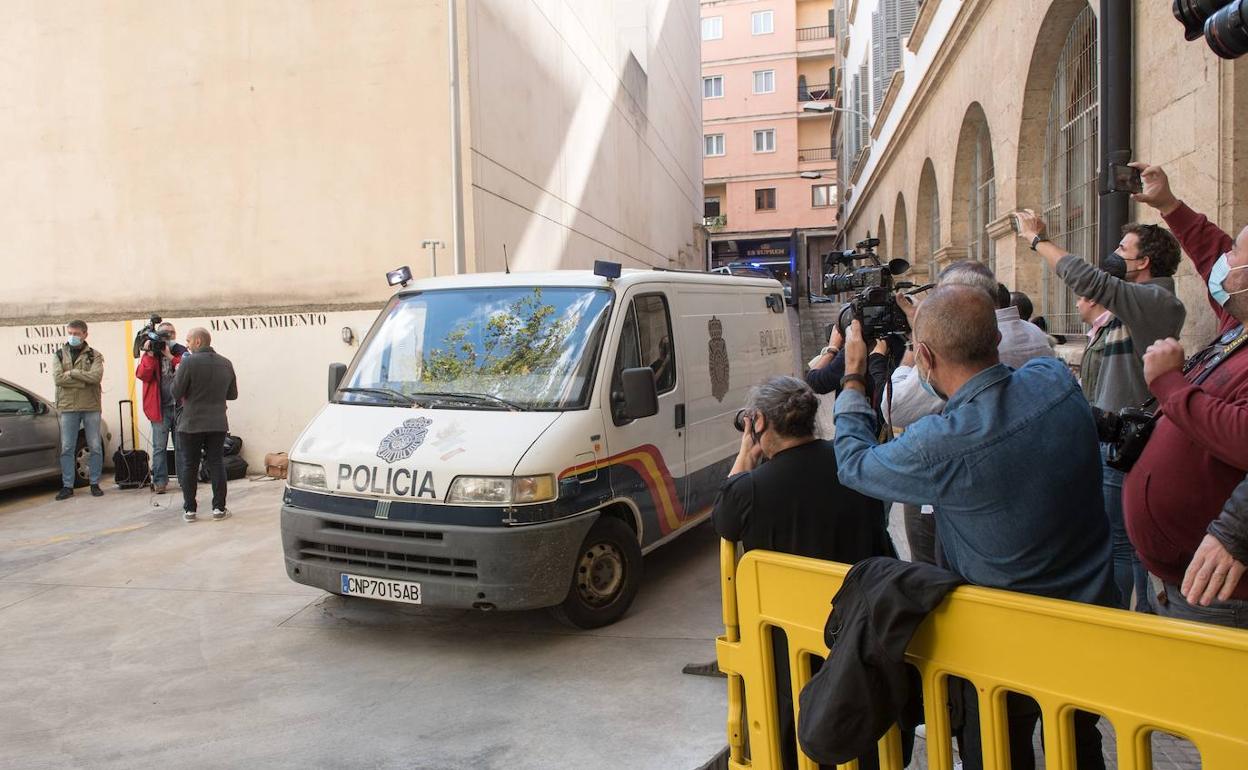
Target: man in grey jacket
204,382
1145,309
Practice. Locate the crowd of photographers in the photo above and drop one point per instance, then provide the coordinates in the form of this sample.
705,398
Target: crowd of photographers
1123,488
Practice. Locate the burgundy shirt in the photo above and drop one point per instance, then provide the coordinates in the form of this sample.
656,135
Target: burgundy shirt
1198,452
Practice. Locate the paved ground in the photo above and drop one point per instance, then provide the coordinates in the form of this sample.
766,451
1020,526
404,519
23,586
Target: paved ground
131,640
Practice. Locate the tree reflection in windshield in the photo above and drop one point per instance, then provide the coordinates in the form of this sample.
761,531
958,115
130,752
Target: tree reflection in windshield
532,346
523,339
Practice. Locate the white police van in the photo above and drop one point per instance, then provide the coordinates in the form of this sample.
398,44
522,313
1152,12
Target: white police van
519,440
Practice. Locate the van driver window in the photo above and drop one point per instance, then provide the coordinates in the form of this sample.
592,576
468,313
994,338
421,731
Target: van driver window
646,340
655,330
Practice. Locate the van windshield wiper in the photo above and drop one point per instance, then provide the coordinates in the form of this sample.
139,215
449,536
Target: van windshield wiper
475,398
394,395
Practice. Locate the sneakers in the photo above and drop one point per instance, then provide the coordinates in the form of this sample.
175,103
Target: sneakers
220,513
96,491
189,516
65,493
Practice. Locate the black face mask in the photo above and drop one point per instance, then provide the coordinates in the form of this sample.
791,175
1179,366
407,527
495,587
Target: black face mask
1115,266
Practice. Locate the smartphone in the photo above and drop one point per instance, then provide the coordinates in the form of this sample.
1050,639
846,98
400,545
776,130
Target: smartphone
1014,222
1124,178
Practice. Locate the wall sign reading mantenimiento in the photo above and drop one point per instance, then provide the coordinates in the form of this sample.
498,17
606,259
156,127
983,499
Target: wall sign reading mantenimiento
256,322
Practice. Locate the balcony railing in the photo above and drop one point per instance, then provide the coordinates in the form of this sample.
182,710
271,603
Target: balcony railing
821,32
814,154
715,224
815,93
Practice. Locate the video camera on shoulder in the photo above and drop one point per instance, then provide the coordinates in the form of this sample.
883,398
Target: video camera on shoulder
874,305
149,334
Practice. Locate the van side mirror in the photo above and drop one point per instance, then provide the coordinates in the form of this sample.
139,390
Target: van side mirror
641,394
336,373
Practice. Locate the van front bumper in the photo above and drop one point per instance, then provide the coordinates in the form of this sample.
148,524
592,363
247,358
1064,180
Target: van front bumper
510,568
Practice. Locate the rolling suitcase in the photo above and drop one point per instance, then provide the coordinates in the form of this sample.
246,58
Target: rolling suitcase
130,466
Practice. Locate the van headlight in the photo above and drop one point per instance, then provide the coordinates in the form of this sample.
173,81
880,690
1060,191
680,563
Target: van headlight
306,476
502,490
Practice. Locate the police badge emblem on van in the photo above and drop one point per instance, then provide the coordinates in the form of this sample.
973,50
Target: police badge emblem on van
402,442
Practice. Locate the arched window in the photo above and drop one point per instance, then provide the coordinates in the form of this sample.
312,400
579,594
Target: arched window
927,226
901,231
1070,165
982,201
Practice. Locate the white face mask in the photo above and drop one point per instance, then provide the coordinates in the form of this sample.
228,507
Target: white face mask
1218,274
74,341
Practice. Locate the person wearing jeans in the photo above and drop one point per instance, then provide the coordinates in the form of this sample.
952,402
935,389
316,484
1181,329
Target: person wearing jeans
156,370
77,370
203,383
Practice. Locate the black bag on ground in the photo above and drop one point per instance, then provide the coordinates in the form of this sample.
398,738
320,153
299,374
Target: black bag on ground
233,445
131,468
235,468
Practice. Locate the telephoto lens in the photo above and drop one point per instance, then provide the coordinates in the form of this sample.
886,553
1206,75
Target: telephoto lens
1193,13
1226,31
738,422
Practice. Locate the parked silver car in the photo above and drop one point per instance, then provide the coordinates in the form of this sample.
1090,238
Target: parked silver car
30,439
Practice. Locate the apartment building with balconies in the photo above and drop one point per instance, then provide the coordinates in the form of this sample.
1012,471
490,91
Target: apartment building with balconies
769,164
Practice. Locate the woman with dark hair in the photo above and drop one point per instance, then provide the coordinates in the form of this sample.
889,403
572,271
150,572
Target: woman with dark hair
783,495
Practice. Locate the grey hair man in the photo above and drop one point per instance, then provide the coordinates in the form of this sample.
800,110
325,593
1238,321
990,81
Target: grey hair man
1020,342
1040,533
204,382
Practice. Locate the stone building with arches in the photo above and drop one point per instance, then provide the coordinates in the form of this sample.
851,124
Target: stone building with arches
993,106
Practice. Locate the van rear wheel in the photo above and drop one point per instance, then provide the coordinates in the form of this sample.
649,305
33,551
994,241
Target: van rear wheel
605,578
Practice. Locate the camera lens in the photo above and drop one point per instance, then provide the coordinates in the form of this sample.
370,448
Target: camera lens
1193,13
1226,31
738,422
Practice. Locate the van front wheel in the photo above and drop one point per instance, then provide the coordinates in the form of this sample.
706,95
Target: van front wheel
605,578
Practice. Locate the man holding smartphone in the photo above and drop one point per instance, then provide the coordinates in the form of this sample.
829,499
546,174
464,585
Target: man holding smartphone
1144,309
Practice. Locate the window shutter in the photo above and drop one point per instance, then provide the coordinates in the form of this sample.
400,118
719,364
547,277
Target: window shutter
877,57
852,123
864,128
907,12
892,42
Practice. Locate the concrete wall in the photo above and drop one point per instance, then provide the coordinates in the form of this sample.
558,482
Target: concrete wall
585,133
182,155
1187,105
243,162
281,361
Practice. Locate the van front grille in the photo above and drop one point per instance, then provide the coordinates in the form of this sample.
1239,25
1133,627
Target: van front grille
389,561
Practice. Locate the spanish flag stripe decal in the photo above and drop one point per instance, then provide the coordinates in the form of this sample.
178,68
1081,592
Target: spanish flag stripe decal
647,460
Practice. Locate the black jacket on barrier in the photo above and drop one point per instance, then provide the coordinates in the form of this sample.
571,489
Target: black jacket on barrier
865,685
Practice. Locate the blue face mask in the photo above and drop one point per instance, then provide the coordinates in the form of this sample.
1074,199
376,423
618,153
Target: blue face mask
1221,269
926,383
74,341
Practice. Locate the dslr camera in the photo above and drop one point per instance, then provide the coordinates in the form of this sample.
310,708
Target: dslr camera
1126,431
873,304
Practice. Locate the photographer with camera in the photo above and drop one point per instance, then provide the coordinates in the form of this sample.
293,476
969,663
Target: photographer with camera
1135,284
910,401
158,362
1197,454
793,503
1042,533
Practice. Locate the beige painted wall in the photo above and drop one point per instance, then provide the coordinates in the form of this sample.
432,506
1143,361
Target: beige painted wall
181,155
281,362
1185,115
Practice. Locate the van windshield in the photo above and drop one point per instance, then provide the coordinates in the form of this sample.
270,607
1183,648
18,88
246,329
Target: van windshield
496,347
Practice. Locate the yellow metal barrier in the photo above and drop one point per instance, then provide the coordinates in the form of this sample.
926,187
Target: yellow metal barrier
1142,673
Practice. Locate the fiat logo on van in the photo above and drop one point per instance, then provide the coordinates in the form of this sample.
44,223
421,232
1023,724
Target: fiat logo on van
402,442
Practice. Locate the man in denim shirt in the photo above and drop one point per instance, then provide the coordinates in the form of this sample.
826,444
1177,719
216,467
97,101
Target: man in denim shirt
1011,464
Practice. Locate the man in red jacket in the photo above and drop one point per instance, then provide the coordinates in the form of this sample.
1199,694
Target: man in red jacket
1198,452
156,367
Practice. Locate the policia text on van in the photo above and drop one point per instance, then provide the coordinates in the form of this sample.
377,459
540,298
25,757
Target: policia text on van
518,441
